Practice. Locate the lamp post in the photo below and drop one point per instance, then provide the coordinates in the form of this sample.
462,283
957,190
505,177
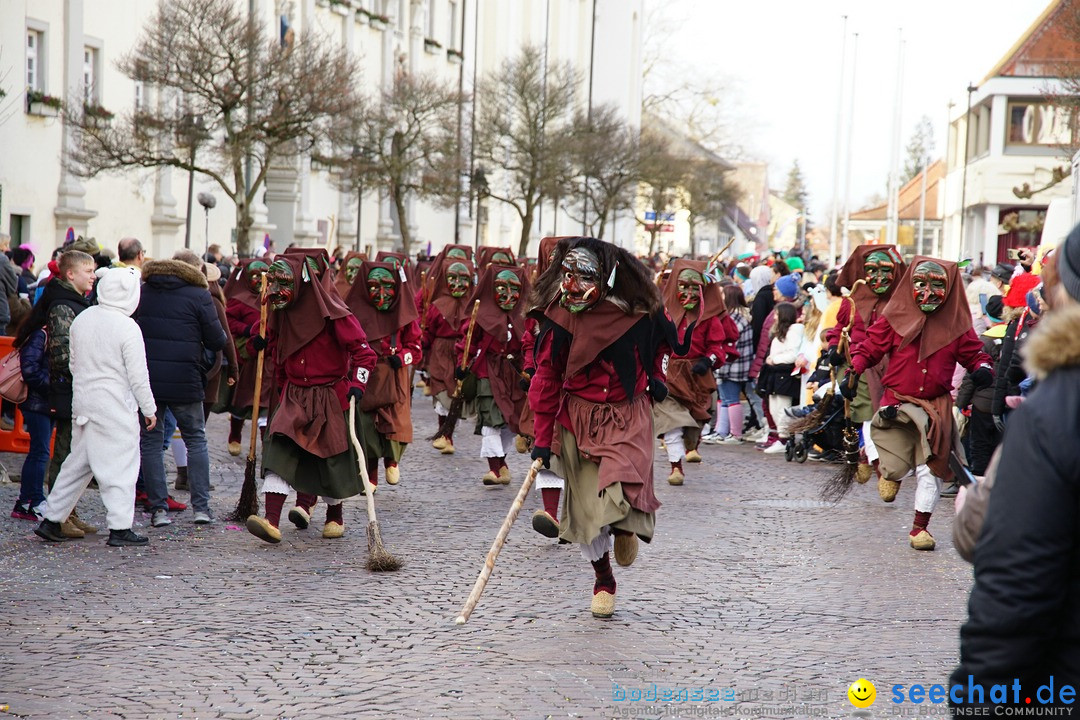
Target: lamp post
361,156
208,202
963,179
191,131
482,190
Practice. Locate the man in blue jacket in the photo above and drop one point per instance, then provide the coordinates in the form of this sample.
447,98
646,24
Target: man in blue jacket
182,333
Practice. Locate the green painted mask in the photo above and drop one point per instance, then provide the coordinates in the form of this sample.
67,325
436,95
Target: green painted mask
253,273
931,285
689,288
457,253
880,271
280,285
352,268
507,290
458,279
501,258
382,290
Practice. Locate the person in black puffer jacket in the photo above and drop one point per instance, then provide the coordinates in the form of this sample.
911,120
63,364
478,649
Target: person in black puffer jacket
182,333
1024,608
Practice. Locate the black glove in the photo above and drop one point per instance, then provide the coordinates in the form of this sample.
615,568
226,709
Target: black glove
460,373
702,366
849,386
356,394
524,383
257,343
982,378
889,412
543,454
658,390
835,357
394,361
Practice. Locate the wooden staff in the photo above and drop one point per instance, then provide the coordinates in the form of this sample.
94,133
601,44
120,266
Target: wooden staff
379,559
720,252
497,546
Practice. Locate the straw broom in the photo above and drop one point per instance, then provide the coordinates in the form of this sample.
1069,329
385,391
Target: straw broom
457,405
836,487
497,545
379,560
248,503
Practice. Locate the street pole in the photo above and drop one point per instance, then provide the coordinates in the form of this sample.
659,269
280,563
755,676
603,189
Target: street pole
206,230
836,145
460,121
963,180
190,194
359,211
893,214
846,245
922,206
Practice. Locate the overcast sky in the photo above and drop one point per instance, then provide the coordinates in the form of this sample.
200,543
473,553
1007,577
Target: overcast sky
781,63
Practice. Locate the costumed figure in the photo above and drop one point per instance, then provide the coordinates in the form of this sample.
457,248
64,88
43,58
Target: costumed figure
321,359
549,481
880,268
600,359
493,256
385,309
347,271
680,417
494,359
449,284
400,260
925,330
242,313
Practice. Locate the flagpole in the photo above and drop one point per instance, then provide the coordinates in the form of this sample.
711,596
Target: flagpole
836,145
850,155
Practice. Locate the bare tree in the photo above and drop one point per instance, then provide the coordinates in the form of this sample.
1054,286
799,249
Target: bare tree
605,153
660,172
230,92
406,143
706,192
523,130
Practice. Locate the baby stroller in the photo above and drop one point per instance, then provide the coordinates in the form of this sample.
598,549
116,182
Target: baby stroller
824,427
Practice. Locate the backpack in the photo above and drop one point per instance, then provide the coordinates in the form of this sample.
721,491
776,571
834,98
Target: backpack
12,386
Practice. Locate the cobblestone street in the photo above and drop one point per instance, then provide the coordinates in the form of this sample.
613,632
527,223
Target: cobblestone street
751,587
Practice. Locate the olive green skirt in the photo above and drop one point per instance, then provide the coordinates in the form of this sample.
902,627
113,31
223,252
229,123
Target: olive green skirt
488,413
337,476
376,445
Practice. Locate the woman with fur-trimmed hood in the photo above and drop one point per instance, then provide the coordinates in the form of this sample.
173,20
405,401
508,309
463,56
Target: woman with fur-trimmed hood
600,359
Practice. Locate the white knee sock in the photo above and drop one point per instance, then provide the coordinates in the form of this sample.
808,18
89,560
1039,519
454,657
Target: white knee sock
928,490
274,483
491,442
674,444
601,544
868,443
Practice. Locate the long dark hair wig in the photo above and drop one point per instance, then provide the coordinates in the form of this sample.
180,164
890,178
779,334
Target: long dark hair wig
633,282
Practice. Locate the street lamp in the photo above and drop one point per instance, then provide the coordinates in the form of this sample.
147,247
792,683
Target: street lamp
190,132
208,202
361,157
963,179
482,189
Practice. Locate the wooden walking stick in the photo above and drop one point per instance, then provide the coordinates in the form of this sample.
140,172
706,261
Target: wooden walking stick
446,427
838,485
379,560
497,546
248,503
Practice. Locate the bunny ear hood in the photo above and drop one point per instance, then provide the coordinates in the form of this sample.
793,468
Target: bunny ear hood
119,289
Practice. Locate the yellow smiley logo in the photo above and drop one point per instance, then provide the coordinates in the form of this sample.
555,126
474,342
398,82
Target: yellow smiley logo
862,693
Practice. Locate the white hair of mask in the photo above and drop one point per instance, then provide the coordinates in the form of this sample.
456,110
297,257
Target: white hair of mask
118,289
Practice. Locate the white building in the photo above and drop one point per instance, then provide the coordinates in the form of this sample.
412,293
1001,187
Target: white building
68,49
1011,137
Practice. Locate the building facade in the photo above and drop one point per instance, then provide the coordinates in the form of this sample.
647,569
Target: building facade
1007,153
67,49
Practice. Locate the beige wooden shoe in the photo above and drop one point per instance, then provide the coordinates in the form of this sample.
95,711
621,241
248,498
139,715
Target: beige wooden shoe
603,604
887,489
393,475
676,477
693,456
863,473
545,524
490,478
333,530
261,528
922,541
234,449
439,443
504,475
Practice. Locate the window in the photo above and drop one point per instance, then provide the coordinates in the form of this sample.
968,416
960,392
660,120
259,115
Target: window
138,95
90,89
35,54
455,27
431,20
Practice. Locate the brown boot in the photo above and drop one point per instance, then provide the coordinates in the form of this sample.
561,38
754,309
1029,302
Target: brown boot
86,527
181,478
70,530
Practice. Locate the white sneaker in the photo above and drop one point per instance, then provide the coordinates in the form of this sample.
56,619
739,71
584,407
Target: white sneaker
732,440
711,438
160,518
776,448
202,518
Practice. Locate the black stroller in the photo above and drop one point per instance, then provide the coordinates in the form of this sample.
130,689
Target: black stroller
824,427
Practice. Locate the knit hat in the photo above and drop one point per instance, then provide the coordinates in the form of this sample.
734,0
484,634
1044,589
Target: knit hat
794,262
1003,272
1068,263
118,289
995,307
788,286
